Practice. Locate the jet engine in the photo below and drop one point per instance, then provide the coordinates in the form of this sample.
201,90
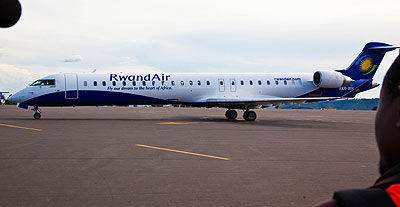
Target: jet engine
330,79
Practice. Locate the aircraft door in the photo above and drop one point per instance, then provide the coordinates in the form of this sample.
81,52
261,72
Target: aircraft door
233,85
221,84
71,85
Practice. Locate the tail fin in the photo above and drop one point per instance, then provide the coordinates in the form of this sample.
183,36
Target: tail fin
367,63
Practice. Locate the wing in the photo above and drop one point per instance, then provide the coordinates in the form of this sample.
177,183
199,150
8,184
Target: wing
263,101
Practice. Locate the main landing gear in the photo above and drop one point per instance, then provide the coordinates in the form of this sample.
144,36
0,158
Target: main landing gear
231,114
37,113
247,115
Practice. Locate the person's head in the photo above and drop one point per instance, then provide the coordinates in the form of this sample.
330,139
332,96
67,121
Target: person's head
387,121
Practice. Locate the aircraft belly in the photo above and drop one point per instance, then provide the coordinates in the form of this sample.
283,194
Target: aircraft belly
287,93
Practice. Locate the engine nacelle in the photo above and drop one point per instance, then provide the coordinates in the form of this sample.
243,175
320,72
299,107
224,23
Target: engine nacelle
330,79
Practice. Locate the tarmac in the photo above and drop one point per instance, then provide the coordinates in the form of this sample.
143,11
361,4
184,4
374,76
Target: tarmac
122,156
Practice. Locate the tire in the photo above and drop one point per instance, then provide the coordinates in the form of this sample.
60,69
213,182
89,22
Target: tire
36,115
231,114
250,116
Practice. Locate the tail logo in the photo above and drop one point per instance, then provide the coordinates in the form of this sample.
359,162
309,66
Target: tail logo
366,66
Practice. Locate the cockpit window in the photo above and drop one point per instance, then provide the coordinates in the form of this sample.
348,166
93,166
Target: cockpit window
49,82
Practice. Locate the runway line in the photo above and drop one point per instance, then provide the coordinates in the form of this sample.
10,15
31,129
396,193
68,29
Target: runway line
172,123
177,123
183,152
20,127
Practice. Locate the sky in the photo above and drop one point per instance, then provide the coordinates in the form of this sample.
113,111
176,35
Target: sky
207,36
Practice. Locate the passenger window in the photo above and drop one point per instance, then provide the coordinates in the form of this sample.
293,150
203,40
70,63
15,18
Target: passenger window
124,83
259,82
172,83
182,83
114,83
191,83
162,82
153,83
285,82
104,83
268,82
84,83
208,83
134,83
94,83
242,82
144,83
276,83
251,82
199,83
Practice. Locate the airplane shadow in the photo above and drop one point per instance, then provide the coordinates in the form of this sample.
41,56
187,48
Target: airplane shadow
285,123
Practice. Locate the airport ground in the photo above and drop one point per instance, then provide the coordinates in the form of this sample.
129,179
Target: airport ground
120,156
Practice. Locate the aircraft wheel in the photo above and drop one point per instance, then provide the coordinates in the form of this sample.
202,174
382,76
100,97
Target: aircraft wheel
36,115
250,115
231,114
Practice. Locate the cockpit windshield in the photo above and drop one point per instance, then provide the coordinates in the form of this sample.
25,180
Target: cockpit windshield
49,82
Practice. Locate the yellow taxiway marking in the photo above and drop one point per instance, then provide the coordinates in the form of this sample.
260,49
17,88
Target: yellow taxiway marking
171,123
166,123
20,127
183,152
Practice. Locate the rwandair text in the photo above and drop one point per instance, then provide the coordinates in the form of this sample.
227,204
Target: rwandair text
148,77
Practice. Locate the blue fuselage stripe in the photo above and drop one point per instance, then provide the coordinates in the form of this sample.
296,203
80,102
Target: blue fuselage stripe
93,98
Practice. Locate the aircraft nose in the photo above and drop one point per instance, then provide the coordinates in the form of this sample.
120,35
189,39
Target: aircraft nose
12,99
15,98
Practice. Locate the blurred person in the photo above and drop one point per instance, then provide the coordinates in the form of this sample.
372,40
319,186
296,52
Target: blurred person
10,12
386,190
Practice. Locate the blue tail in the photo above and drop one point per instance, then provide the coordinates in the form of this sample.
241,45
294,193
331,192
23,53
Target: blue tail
367,63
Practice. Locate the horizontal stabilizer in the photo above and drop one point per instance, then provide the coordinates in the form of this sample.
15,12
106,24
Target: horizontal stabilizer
382,49
2,93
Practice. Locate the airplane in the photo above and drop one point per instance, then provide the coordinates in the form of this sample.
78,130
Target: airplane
243,91
3,97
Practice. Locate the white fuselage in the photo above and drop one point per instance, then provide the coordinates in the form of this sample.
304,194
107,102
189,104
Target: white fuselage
79,89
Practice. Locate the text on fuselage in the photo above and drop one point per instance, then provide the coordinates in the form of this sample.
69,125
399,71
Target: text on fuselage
287,79
148,77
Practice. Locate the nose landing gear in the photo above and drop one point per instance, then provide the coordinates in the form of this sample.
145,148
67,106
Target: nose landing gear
37,113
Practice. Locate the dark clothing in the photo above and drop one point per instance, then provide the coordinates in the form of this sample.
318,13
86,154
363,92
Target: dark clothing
389,178
373,196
